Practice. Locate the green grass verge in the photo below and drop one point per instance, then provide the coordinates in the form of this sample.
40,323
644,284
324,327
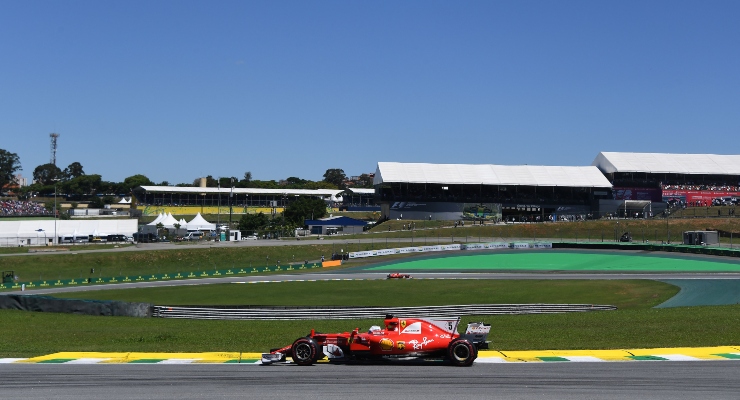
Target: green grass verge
25,334
53,249
107,264
625,294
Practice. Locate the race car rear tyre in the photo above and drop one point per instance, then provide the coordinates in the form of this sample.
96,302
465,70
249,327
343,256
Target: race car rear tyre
305,351
462,353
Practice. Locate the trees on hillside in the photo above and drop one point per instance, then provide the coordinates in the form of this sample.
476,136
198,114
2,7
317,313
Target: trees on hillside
304,208
336,177
253,222
47,174
9,165
365,181
82,185
135,181
73,170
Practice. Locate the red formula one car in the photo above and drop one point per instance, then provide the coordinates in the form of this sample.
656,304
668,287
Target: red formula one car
396,275
402,338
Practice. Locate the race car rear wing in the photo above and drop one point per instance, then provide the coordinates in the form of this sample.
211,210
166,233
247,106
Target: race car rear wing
477,333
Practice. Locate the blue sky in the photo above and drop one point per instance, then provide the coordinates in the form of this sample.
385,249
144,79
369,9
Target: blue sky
179,89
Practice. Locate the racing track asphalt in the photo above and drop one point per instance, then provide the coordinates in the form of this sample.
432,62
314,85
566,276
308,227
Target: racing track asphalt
576,381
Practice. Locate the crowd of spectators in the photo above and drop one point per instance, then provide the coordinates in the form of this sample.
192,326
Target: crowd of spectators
17,208
719,187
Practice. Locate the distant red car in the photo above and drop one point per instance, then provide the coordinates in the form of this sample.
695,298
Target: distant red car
402,338
396,275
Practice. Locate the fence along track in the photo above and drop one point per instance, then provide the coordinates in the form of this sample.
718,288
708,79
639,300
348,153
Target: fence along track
283,313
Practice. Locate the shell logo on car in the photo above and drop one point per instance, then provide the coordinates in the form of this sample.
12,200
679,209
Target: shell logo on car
401,345
386,344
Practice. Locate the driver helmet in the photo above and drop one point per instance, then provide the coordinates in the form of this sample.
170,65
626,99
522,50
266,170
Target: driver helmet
392,325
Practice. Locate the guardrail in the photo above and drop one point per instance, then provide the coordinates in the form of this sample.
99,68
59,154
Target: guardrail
312,313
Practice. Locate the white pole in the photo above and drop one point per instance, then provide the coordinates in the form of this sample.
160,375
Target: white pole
55,214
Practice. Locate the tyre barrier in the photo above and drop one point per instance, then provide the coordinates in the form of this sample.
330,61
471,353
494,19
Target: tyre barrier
314,313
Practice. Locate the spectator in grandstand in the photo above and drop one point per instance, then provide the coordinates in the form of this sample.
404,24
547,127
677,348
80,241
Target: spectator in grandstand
16,207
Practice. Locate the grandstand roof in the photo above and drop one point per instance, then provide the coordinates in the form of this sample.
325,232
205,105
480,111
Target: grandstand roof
662,163
486,174
251,191
361,191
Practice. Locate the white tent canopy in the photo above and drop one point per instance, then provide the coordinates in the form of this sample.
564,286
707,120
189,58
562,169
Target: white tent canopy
486,174
199,223
169,221
661,163
157,220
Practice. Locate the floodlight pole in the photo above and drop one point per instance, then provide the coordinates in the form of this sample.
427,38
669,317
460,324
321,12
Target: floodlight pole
55,241
231,194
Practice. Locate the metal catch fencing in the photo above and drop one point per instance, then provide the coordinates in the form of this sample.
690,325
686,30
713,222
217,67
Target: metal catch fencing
315,313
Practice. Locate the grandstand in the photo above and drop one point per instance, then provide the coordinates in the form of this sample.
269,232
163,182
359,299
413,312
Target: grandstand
153,200
358,200
22,208
488,192
685,180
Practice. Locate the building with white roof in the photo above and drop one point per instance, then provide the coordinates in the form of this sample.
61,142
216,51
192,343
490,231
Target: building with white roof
486,191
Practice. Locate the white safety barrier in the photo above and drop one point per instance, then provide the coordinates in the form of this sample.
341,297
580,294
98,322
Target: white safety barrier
297,313
451,247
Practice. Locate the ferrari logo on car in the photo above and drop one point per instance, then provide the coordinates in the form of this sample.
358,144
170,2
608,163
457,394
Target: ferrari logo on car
401,345
386,344
403,323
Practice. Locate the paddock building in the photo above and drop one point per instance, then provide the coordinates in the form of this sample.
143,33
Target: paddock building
47,232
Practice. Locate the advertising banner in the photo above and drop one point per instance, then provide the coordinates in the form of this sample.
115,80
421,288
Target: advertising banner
473,246
385,252
696,198
444,211
496,245
629,193
542,245
520,245
447,247
360,254
404,250
431,248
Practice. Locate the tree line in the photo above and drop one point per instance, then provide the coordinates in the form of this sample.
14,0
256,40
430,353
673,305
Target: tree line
75,184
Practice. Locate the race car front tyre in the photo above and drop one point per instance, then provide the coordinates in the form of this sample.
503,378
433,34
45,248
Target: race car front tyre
305,351
462,353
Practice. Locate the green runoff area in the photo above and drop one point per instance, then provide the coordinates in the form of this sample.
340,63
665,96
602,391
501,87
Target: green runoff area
566,260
